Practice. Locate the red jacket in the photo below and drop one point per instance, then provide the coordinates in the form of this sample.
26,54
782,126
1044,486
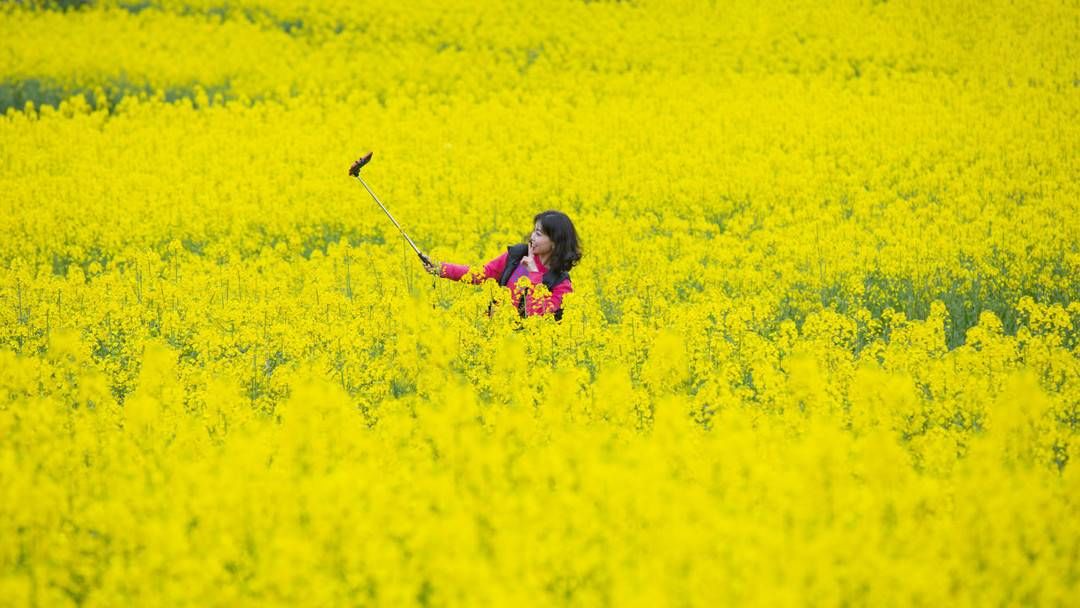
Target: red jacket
494,270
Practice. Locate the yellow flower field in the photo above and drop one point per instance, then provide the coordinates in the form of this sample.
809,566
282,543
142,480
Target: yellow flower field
822,348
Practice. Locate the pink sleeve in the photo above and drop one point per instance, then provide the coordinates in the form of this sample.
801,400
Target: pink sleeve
541,306
492,270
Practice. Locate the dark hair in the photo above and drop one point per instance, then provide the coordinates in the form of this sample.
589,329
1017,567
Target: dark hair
567,249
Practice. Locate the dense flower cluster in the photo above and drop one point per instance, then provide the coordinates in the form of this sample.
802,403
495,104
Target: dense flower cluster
822,346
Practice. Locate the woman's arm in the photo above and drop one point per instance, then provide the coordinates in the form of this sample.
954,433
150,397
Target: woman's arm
543,305
460,272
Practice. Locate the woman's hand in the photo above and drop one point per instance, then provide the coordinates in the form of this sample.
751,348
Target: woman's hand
529,261
431,266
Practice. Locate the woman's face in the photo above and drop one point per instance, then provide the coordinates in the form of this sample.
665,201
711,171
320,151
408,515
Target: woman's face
539,242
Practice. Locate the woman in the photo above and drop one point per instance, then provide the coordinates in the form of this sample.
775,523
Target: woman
547,257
